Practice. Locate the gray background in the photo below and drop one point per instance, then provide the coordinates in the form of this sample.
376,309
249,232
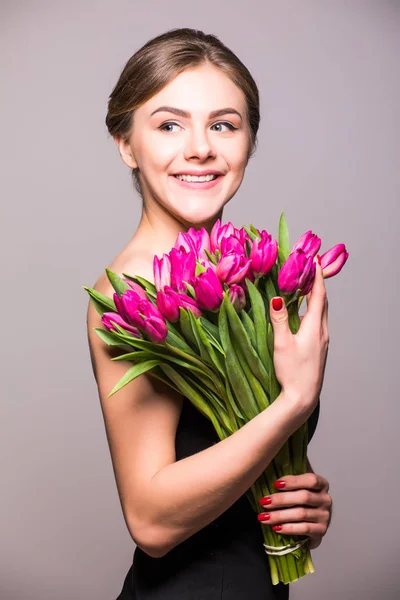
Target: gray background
328,156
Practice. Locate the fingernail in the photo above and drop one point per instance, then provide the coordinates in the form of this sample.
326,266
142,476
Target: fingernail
318,259
265,501
263,517
280,484
277,303
277,527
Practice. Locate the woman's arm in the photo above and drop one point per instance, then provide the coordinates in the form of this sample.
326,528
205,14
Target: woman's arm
165,501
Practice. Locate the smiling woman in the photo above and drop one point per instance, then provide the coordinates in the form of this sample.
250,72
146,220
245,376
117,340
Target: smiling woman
184,115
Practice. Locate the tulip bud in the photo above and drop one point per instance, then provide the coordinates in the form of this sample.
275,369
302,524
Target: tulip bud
232,268
162,271
183,267
109,318
333,260
208,290
309,242
168,304
237,296
195,241
218,232
297,272
263,254
137,288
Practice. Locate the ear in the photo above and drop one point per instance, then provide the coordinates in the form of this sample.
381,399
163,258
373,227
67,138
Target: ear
125,152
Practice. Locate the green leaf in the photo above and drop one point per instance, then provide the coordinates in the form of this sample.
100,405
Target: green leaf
206,347
253,236
132,373
243,392
260,393
197,399
241,340
210,256
283,240
119,285
101,302
187,328
260,322
175,339
210,327
249,327
234,405
248,247
111,338
199,268
254,230
213,341
190,289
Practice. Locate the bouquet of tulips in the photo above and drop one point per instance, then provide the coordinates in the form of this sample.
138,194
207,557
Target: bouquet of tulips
204,329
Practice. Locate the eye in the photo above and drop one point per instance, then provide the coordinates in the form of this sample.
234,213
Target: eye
229,125
169,124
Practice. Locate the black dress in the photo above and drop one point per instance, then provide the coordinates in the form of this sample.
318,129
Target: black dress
223,561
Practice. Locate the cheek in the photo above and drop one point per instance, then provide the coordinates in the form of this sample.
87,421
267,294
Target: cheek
160,151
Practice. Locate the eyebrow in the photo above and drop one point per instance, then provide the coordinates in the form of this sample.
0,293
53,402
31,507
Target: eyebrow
183,113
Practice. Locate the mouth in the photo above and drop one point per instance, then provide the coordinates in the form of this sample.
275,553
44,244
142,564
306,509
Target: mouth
209,182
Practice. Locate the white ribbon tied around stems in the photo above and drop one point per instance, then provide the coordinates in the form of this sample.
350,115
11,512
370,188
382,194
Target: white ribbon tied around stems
281,550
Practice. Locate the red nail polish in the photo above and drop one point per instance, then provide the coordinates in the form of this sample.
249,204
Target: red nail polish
318,259
277,303
277,527
280,484
265,501
263,517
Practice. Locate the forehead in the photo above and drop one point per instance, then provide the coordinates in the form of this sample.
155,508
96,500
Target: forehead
199,90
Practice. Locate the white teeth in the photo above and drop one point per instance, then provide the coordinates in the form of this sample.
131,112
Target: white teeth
196,178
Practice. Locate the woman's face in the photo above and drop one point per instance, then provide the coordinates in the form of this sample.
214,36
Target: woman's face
187,138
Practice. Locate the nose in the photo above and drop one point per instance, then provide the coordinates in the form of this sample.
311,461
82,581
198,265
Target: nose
198,145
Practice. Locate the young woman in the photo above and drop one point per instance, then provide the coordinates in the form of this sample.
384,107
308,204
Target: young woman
185,105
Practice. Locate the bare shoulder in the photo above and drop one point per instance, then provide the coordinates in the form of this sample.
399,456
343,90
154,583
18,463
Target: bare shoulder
140,419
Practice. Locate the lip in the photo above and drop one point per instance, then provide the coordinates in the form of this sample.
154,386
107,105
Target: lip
199,173
198,185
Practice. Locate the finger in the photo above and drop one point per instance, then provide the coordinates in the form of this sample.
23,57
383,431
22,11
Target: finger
302,497
316,302
309,529
311,481
325,318
280,323
289,515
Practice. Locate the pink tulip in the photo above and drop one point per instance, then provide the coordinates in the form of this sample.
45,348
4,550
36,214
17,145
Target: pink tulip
183,267
237,296
232,268
162,271
263,254
308,276
231,244
309,242
142,314
194,241
297,272
218,232
137,288
333,260
169,302
208,290
109,318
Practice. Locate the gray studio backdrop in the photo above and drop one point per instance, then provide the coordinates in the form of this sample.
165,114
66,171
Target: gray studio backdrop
328,156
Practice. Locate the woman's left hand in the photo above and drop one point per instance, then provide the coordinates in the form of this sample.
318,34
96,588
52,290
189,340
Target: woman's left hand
303,508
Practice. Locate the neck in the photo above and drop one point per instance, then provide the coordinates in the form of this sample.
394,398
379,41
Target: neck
158,230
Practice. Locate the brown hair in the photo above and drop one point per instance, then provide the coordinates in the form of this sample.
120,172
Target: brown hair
159,61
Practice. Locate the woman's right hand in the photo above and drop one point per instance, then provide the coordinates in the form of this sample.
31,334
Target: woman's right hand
300,359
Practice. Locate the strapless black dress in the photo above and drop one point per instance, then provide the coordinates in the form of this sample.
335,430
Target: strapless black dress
223,561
